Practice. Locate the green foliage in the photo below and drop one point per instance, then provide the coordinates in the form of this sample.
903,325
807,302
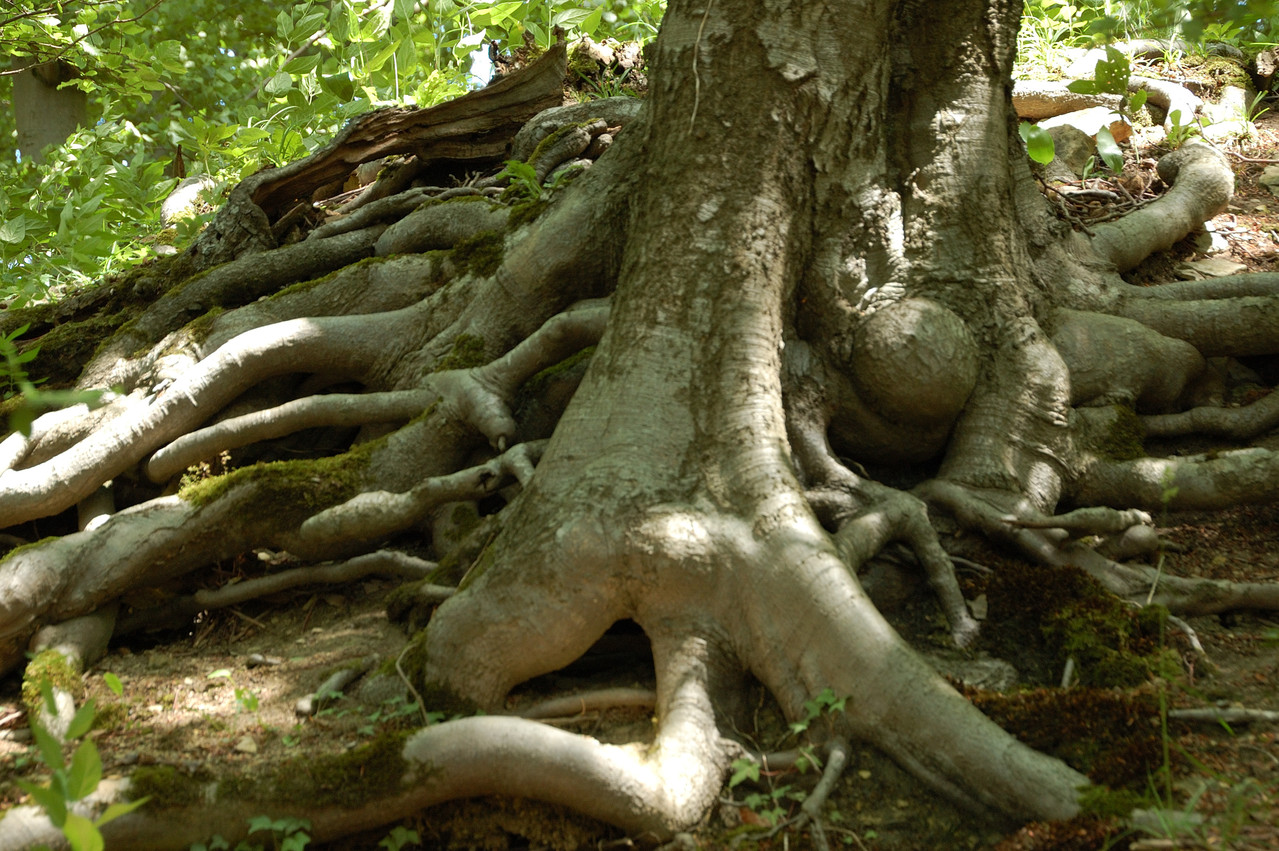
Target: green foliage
75,780
14,381
398,838
287,834
203,88
1179,133
773,801
1110,76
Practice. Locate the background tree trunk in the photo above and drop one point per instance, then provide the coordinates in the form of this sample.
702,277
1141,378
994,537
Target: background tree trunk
45,114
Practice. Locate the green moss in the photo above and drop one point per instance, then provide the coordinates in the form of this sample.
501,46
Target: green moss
1109,803
535,386
465,517
1048,615
522,214
1219,71
467,352
1112,736
200,327
582,64
166,787
111,716
554,138
369,772
1123,440
31,546
290,486
359,267
480,254
52,667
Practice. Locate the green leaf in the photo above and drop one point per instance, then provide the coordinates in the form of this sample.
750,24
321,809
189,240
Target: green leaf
404,8
592,21
120,808
1137,100
405,57
83,719
22,418
53,804
744,769
301,64
1109,150
113,683
1083,87
1039,143
568,18
219,673
1112,73
81,833
86,771
539,34
306,28
278,84
50,748
14,230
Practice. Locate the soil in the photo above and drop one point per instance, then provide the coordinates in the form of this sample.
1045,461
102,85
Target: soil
199,701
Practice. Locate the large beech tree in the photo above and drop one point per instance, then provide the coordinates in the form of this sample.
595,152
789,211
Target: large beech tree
814,249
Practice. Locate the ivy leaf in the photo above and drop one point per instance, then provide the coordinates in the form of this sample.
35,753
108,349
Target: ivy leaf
744,769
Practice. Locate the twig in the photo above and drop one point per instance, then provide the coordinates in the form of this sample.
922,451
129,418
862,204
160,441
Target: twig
1233,715
421,704
590,701
697,79
1252,159
1190,634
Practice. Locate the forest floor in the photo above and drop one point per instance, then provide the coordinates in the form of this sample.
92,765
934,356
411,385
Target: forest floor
199,701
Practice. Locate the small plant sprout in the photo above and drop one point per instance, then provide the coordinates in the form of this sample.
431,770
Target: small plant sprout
398,838
1039,142
74,781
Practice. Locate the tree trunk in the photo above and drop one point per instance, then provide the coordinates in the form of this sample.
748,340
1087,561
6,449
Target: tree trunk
44,113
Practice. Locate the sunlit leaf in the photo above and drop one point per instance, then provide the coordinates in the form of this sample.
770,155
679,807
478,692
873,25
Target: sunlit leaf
1109,150
82,834
85,772
1039,143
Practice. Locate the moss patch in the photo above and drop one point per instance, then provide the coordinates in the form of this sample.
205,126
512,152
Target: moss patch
291,486
371,771
1054,614
1123,441
1111,736
167,787
467,352
52,667
358,268
480,254
522,214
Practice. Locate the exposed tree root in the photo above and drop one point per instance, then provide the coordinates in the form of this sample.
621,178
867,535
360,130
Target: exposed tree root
181,610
